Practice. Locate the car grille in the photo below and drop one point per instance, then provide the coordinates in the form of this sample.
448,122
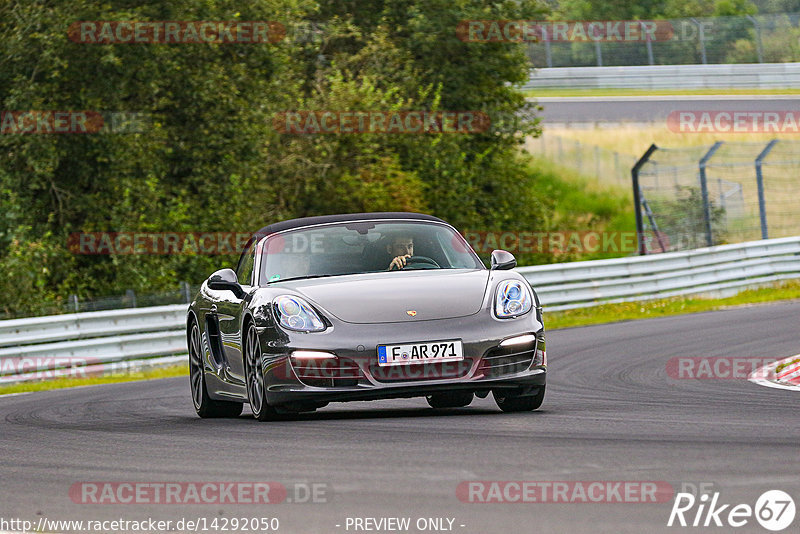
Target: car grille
341,372
423,371
507,360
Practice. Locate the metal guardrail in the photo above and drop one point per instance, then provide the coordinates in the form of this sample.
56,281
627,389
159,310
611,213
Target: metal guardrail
46,347
36,330
723,269
96,339
759,75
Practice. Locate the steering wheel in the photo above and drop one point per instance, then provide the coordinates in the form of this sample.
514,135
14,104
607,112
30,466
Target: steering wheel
422,260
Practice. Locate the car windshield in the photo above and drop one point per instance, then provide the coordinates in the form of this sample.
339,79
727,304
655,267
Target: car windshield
363,247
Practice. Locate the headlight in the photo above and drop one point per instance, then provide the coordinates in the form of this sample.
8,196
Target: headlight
513,299
296,314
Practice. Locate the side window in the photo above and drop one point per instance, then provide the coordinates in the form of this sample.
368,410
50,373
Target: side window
244,272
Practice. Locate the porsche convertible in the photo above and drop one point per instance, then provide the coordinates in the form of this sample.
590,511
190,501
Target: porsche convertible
364,307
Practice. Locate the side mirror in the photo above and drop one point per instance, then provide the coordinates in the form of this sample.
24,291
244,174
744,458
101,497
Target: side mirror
225,279
502,260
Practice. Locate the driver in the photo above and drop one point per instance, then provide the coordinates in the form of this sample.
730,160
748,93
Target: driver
400,248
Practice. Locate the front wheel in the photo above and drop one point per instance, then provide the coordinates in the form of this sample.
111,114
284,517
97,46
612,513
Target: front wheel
205,406
511,401
254,375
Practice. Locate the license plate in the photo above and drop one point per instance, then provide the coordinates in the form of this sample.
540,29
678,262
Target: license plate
414,353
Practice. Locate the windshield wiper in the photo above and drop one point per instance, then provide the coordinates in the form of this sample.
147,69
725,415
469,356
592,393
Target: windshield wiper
307,277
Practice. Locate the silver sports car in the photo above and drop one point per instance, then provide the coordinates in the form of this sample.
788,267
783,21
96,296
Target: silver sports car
363,307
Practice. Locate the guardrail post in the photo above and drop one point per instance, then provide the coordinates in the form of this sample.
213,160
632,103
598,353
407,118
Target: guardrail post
704,191
762,205
637,196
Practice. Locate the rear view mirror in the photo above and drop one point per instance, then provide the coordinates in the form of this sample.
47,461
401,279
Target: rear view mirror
225,279
502,260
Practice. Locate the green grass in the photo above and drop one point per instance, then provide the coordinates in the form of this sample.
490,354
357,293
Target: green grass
566,92
628,311
783,366
59,383
579,204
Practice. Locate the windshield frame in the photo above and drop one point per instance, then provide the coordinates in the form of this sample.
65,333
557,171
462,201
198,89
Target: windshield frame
261,244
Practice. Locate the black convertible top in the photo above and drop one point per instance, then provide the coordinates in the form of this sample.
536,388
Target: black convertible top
324,219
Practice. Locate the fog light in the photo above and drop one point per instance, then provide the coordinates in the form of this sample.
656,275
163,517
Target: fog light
519,340
313,355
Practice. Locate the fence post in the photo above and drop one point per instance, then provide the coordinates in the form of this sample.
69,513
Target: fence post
759,46
599,53
704,189
762,205
548,53
130,294
637,196
649,46
73,299
701,38
187,295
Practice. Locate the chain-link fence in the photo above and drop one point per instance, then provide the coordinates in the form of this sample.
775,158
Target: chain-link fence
722,193
588,160
748,39
72,304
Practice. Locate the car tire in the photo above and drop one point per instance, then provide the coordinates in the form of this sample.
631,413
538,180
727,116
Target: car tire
254,377
510,401
205,406
450,399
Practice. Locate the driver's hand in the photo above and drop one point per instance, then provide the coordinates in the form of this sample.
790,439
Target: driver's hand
399,262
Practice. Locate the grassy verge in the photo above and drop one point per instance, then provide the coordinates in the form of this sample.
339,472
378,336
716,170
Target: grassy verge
578,204
634,140
783,366
611,91
59,383
628,311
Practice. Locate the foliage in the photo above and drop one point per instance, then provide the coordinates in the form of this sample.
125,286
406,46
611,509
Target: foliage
207,157
684,220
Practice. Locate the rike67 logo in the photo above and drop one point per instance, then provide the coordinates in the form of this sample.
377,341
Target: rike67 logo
774,510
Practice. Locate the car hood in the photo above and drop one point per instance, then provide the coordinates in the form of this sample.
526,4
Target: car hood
395,296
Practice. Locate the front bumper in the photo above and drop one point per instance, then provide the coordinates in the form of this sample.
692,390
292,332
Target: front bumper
353,373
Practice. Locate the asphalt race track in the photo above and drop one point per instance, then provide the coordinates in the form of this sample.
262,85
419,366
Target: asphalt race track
654,109
611,414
